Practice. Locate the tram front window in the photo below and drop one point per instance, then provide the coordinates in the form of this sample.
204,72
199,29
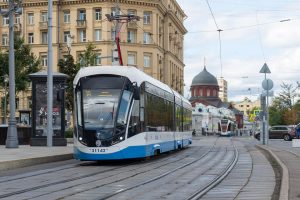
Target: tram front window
100,107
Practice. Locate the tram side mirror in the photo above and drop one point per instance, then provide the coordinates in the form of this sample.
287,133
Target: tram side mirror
136,91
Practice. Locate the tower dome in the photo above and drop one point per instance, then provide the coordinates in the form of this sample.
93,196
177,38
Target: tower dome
204,78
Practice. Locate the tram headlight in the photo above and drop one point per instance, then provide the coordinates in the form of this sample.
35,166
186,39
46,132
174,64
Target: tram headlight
121,138
98,143
80,138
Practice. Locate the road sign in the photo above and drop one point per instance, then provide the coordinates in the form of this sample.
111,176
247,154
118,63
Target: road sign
269,93
265,69
267,84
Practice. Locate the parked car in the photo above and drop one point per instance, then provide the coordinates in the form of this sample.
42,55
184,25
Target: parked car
279,132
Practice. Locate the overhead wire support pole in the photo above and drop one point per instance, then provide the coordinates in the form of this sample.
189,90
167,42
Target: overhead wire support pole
12,137
220,43
50,78
120,20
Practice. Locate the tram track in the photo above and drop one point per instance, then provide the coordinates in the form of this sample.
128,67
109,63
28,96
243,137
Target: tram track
179,187
64,181
151,180
199,193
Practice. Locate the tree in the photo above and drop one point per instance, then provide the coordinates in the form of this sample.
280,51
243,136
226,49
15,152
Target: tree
283,110
25,64
88,57
275,116
287,95
68,67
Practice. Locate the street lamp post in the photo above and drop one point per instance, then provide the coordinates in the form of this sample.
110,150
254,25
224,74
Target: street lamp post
12,137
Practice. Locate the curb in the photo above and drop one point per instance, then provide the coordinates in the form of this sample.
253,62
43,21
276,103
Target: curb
14,164
284,188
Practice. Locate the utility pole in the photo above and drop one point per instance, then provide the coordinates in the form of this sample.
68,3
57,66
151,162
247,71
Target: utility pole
12,137
120,20
50,78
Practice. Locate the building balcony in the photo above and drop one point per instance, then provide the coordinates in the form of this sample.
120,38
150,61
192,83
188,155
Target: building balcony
81,23
43,25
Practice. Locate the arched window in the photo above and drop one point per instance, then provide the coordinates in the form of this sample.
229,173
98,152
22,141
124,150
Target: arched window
214,92
208,92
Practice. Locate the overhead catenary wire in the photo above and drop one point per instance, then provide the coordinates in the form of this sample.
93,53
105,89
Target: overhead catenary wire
260,40
220,43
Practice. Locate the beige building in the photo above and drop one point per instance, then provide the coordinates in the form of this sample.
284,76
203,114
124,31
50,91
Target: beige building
154,44
223,89
246,106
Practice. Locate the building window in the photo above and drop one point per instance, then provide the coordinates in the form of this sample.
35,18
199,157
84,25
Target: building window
131,36
147,60
147,38
30,19
113,34
5,40
44,37
208,92
201,92
82,35
44,16
98,14
17,103
214,93
114,11
131,12
98,34
30,38
67,16
17,19
97,59
5,21
147,17
66,35
131,58
82,15
44,60
29,102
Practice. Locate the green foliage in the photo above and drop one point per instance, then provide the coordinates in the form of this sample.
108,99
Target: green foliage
25,64
69,133
88,57
276,116
68,67
283,110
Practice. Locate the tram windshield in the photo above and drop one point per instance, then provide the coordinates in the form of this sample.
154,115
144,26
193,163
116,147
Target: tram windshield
100,107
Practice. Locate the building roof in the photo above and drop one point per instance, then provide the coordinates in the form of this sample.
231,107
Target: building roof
204,78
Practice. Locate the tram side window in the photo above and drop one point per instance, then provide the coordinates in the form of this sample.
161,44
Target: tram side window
158,114
134,124
187,120
178,118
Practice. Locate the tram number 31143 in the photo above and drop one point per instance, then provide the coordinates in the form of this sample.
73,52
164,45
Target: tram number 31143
98,150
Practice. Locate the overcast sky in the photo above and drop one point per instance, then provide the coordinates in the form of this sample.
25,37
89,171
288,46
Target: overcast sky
252,35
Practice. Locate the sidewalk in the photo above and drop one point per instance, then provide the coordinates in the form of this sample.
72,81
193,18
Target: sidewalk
27,155
290,157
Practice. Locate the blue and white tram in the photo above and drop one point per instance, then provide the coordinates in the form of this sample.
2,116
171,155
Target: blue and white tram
226,127
122,113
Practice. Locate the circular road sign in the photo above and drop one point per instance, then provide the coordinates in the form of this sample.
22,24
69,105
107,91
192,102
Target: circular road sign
267,84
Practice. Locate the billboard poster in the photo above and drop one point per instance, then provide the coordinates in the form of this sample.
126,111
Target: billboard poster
41,110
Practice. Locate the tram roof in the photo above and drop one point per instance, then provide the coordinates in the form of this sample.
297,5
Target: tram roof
132,73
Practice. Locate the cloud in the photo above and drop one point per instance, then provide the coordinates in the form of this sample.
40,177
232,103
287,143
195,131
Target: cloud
245,46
